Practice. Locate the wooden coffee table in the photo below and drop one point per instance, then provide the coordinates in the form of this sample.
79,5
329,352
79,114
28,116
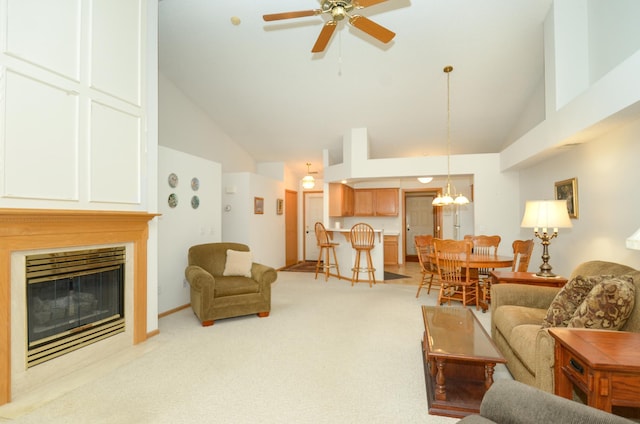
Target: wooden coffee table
459,359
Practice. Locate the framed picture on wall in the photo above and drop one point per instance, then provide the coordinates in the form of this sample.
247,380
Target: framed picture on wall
258,205
279,206
568,190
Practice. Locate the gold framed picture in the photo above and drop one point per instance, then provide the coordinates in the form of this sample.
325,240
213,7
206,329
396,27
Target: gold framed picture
258,205
568,190
279,206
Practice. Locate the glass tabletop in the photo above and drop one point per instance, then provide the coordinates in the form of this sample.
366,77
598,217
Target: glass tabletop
457,333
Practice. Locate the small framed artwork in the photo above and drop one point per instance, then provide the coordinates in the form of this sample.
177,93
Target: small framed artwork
279,206
568,190
258,205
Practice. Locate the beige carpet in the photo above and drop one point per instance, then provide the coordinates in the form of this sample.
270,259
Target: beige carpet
329,353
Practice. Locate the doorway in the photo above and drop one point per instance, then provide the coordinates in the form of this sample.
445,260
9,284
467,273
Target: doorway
420,217
313,208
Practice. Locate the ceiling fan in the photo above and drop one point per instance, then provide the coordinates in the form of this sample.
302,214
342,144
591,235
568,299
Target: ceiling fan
339,9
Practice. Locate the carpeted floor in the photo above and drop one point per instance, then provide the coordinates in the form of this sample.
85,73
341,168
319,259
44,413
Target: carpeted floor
328,353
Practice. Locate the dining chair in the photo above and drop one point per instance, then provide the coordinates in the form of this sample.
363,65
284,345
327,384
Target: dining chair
428,268
362,240
456,282
486,246
326,246
522,250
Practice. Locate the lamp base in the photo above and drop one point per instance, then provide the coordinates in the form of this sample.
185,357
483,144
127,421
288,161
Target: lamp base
546,274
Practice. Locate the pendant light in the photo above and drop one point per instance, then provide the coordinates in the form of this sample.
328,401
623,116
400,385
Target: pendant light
447,198
308,182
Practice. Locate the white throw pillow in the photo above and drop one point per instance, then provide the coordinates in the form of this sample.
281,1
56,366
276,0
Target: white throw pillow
238,263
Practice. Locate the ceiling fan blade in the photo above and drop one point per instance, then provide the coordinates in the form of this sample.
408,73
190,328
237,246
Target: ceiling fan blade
324,37
289,15
359,4
373,29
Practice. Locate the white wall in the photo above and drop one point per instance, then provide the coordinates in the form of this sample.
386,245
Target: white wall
184,226
185,127
608,175
263,233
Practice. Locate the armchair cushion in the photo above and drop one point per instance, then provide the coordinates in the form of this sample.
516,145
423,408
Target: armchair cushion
607,306
238,263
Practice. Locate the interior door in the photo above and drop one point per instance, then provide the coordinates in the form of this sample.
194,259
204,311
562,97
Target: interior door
312,214
291,227
418,219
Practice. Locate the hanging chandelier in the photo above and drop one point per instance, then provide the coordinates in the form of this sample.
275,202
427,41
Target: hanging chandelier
308,181
449,198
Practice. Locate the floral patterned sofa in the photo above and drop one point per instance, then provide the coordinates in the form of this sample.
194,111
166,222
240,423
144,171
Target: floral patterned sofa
518,312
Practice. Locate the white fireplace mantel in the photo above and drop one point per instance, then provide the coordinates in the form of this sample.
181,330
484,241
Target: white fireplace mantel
28,229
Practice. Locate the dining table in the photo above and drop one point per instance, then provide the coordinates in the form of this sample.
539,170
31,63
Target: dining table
483,261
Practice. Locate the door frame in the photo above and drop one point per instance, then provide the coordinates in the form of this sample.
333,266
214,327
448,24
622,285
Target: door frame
437,215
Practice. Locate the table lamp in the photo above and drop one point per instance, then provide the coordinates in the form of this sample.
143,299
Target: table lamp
544,215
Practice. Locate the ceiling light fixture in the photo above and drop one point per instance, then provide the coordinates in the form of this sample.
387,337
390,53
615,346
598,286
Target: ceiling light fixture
308,181
425,180
447,198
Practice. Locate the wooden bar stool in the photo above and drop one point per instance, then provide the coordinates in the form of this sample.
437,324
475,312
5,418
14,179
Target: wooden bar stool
325,245
362,241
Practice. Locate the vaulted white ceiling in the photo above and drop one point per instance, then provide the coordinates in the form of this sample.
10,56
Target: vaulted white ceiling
260,83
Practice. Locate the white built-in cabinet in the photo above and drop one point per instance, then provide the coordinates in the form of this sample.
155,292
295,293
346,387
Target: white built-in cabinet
72,78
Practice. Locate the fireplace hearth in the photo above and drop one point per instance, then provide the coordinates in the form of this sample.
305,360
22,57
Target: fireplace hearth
74,299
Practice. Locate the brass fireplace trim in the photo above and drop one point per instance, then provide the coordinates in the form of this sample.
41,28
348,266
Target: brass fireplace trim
30,229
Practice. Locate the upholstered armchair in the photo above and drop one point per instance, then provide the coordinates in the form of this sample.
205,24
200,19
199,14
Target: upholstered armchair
225,282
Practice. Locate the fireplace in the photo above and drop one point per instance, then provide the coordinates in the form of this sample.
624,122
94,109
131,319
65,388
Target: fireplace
74,299
26,232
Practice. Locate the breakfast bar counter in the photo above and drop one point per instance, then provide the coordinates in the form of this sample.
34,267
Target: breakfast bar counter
347,255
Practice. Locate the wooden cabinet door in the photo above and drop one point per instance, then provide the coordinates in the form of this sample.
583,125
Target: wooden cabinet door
363,202
391,250
340,200
386,202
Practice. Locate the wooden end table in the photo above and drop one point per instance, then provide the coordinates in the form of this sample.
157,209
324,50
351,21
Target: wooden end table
459,360
526,278
602,365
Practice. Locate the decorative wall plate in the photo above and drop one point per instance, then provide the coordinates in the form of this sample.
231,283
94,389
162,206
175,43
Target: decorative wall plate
173,180
195,202
195,184
173,200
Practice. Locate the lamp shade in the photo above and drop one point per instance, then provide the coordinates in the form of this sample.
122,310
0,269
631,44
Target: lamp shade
633,242
308,182
546,214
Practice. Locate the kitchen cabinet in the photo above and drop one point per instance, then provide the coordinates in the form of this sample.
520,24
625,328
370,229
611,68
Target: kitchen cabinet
363,204
376,202
340,200
391,250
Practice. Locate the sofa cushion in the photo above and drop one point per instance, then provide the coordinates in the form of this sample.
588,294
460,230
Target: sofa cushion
607,306
238,263
231,286
568,299
507,317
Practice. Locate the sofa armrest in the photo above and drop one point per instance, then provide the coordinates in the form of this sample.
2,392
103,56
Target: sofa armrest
263,274
198,278
545,360
509,401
